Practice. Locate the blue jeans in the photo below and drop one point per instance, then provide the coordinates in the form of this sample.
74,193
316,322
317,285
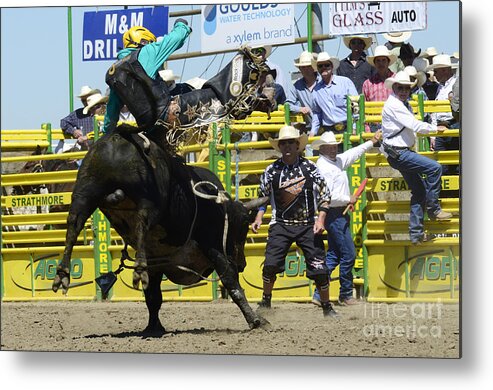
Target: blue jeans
424,190
341,250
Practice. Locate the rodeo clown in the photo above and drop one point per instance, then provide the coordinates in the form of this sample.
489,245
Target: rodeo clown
134,80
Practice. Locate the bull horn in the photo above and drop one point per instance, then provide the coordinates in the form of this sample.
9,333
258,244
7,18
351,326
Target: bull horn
256,203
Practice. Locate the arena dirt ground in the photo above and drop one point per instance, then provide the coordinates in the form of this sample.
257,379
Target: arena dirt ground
369,329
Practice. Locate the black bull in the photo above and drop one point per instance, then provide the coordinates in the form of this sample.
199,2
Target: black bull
148,199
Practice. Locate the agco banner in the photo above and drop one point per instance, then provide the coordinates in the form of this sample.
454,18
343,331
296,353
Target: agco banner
103,30
228,26
376,17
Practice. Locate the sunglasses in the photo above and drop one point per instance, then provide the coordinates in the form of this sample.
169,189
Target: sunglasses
357,42
287,142
403,88
321,66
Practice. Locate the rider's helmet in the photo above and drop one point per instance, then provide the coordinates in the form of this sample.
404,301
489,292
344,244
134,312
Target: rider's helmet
134,36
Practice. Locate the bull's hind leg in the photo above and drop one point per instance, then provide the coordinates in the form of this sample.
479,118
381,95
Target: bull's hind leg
229,276
147,216
80,210
154,299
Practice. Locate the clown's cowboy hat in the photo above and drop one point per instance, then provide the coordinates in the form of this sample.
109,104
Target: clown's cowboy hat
398,37
289,132
382,51
86,91
347,40
324,57
327,138
401,78
94,100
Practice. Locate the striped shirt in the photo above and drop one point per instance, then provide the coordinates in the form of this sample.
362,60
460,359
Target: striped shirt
374,88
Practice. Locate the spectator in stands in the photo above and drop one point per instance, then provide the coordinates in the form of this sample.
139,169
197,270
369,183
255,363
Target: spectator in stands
422,174
296,190
430,86
146,58
444,73
174,87
341,250
300,93
355,66
419,78
374,88
329,98
407,54
78,124
394,44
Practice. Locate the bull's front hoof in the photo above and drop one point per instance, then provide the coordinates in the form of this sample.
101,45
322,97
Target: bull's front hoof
140,276
260,322
156,330
62,279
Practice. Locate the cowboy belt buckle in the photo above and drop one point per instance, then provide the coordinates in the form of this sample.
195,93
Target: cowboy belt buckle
339,126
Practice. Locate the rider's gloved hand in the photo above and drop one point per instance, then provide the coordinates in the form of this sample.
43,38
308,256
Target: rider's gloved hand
181,20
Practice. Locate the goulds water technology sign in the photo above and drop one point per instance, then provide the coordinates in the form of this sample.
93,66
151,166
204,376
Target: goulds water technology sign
228,26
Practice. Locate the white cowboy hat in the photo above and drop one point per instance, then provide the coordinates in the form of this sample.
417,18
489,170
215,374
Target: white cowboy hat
86,91
94,100
429,52
421,64
306,59
402,78
289,132
327,138
456,54
347,40
168,75
324,57
441,61
398,37
382,51
419,76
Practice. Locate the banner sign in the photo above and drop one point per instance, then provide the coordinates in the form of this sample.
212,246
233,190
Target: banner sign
376,17
103,30
228,26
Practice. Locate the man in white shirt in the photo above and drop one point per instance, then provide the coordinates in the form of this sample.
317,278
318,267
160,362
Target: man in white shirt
444,72
341,246
399,128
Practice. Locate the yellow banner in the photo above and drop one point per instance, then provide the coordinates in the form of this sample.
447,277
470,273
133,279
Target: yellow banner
424,272
399,184
38,200
27,276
